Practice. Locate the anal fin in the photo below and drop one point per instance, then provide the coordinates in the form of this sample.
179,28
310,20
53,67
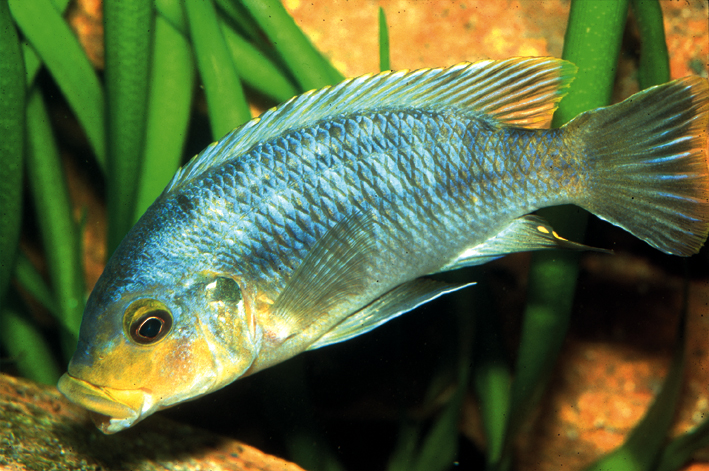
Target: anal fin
524,234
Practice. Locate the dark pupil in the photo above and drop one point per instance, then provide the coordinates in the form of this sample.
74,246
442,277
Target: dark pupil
150,328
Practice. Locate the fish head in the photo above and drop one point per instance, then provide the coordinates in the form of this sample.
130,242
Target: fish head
149,342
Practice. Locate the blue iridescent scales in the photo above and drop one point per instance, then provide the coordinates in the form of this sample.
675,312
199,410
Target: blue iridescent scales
320,220
436,184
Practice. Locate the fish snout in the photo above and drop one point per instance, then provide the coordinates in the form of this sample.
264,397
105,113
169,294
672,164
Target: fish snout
112,409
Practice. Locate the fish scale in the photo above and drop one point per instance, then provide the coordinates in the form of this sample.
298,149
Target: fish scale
408,160
319,220
477,181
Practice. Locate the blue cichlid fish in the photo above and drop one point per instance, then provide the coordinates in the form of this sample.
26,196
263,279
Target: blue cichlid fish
319,220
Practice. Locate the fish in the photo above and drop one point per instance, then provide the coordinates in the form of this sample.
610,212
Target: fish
323,218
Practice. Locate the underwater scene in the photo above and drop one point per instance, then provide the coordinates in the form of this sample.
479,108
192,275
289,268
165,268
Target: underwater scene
474,240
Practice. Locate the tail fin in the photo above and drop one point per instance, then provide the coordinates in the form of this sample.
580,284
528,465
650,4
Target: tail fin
647,164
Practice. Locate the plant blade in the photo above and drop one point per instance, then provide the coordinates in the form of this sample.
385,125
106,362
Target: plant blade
491,373
29,279
227,105
592,42
643,445
50,36
171,85
27,348
308,66
128,38
255,69
12,130
654,67
384,61
440,446
58,229
680,450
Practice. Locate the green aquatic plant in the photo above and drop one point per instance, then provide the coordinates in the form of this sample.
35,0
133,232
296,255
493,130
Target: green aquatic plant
136,121
12,127
592,42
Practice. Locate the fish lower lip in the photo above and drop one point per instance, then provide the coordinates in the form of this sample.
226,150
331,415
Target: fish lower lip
112,409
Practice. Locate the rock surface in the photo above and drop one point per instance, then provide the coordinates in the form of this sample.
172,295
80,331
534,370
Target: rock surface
42,431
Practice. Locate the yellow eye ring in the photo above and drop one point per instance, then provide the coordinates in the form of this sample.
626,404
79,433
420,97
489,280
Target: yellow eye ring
147,321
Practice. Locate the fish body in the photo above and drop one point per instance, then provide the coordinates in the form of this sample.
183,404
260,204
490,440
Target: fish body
320,220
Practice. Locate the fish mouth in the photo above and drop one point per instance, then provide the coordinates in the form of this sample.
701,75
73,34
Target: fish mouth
112,410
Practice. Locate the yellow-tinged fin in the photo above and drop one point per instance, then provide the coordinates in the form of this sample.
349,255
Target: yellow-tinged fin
334,271
524,234
647,161
521,91
398,301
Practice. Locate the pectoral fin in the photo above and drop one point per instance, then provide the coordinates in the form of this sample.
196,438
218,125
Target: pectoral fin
522,235
401,299
334,270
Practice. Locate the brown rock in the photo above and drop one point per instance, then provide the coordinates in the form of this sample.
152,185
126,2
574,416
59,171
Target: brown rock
40,430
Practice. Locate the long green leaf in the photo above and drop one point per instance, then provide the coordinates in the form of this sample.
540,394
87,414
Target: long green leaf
680,450
592,42
50,36
12,130
256,70
32,60
384,62
440,446
128,36
29,279
644,443
406,447
27,348
308,66
654,67
174,12
491,371
171,85
225,97
58,229
239,20
290,411
239,16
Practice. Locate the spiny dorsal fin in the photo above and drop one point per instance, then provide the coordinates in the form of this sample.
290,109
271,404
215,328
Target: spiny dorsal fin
521,92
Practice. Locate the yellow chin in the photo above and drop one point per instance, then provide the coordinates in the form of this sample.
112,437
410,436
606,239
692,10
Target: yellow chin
114,409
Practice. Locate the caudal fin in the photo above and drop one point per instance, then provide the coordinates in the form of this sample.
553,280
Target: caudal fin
647,164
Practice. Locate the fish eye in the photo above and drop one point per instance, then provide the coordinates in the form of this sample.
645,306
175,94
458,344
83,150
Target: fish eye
146,321
149,328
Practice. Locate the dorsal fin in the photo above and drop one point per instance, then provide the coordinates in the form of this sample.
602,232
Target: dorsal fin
520,92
